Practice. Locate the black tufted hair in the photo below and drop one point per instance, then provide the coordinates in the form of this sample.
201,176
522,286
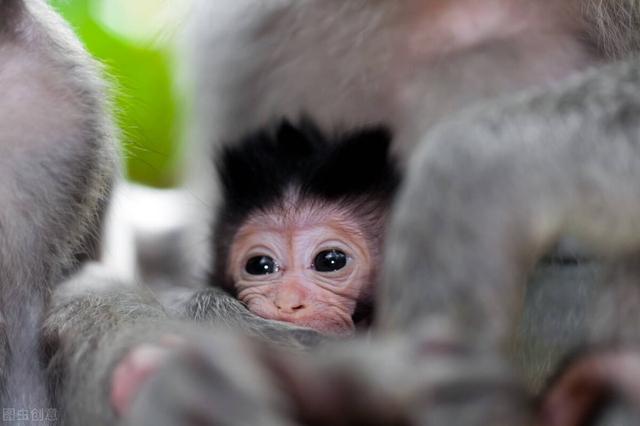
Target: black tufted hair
350,168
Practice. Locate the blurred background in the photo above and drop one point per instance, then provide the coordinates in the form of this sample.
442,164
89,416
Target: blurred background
137,41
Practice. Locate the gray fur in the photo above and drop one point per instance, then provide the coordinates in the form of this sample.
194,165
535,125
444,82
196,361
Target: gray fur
57,166
262,47
614,25
539,166
85,337
216,307
579,172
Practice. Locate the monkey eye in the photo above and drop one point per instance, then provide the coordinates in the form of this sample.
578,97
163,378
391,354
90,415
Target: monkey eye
261,265
330,260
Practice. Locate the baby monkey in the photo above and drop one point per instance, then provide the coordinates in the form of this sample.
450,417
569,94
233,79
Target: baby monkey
299,233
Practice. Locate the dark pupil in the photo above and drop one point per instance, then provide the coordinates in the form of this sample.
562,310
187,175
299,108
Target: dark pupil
260,265
330,260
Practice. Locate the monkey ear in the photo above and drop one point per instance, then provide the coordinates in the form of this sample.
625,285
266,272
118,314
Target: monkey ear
360,163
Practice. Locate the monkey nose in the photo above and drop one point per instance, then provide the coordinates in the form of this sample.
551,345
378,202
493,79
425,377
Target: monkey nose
291,298
289,308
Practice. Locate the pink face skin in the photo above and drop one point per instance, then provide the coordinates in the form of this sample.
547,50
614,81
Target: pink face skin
307,266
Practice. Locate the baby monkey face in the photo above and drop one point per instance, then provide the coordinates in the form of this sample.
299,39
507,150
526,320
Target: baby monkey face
308,267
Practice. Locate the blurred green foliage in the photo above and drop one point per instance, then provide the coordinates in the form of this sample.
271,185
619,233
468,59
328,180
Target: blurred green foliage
147,106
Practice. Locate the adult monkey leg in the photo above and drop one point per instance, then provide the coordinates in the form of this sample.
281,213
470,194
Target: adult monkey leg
57,166
490,192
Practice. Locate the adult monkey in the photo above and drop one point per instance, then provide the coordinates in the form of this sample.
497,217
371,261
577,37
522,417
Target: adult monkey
57,167
403,62
409,64
501,181
495,331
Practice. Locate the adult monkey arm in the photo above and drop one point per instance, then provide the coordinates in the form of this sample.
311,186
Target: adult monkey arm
95,321
489,192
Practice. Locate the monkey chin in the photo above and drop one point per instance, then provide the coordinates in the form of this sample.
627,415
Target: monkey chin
332,327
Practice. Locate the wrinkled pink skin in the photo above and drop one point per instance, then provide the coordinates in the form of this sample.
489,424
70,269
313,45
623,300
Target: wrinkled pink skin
296,292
